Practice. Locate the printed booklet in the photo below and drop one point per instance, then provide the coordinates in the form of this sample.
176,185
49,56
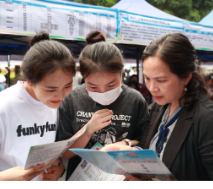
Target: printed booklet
143,164
85,171
48,153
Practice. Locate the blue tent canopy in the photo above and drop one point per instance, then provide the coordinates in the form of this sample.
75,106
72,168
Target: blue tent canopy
16,44
207,20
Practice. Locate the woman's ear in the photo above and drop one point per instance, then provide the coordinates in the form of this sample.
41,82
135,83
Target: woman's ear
187,79
29,83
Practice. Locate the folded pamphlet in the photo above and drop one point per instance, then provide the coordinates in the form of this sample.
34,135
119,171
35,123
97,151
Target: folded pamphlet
143,164
85,171
47,154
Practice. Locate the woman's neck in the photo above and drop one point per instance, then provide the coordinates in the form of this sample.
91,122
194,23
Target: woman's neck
30,90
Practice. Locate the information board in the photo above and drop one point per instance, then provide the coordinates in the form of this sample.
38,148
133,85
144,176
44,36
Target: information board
201,37
142,30
73,21
26,17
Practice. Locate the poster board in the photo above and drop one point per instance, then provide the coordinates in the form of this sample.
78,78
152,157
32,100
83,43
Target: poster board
62,21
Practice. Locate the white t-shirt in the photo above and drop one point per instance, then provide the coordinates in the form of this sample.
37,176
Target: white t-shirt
2,78
24,122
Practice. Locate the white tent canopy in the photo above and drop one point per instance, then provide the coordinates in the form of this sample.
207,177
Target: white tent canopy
208,19
144,8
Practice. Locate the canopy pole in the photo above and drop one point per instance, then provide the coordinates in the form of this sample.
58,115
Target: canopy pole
138,60
8,63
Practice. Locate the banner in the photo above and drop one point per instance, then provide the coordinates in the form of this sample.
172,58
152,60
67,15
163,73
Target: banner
73,21
201,37
138,29
63,20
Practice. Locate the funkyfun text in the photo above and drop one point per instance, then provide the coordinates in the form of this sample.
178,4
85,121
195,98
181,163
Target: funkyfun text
35,130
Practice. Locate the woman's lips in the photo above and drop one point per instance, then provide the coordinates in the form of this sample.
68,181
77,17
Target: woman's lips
158,97
55,101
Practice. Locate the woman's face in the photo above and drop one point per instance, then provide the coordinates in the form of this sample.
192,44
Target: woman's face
53,88
165,86
102,82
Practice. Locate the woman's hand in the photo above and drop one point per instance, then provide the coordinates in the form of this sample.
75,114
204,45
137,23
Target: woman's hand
132,178
19,174
99,120
54,173
116,147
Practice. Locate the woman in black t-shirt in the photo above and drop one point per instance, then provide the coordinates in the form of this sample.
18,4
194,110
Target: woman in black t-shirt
109,110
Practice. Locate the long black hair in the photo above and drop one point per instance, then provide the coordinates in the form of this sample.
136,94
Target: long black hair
45,56
179,54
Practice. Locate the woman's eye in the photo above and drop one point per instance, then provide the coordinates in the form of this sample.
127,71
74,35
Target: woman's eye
93,87
51,91
111,85
68,86
161,81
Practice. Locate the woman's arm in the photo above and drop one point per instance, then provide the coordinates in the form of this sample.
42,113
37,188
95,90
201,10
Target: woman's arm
99,120
205,142
19,174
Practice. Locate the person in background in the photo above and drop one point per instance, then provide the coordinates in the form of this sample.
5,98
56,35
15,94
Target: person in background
2,81
208,81
77,79
133,82
181,131
7,77
28,110
126,76
133,71
110,111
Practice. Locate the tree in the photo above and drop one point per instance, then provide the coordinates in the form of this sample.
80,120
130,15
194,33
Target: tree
193,10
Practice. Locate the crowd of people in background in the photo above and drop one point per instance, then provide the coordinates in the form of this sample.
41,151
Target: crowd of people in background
129,78
4,79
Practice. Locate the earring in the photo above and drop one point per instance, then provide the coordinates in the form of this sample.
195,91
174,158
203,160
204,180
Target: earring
185,89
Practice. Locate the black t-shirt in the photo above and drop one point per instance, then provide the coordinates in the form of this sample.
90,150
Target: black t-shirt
130,119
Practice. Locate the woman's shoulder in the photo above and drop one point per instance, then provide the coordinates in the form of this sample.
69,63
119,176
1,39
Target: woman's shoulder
204,107
9,97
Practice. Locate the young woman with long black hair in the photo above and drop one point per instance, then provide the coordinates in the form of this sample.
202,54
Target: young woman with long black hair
28,112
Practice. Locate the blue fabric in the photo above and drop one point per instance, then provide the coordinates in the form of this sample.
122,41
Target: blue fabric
164,132
1,86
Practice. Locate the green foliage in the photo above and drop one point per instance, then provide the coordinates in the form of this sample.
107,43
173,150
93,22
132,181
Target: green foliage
193,10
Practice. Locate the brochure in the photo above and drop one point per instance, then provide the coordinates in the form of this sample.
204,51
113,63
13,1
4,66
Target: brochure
85,171
48,153
144,164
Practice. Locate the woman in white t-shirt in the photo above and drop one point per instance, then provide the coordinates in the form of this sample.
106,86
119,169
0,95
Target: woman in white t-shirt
28,109
2,80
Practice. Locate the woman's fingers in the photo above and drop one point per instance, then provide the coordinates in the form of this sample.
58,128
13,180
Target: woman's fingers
34,169
105,124
104,111
106,119
101,111
104,114
132,178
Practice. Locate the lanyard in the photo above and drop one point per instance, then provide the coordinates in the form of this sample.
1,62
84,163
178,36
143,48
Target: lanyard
164,132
